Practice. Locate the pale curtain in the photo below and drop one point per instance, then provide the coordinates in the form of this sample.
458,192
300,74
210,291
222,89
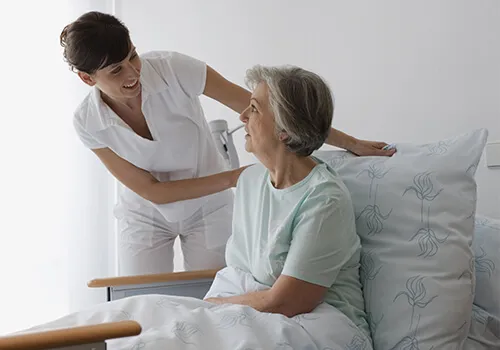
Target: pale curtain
56,225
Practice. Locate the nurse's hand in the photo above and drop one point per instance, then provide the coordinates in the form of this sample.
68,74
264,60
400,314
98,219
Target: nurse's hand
371,148
356,146
235,174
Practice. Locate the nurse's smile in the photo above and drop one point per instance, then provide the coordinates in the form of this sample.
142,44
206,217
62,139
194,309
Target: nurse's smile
132,85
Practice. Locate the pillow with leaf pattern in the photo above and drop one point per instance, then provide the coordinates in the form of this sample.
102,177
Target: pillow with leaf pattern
486,247
415,216
484,332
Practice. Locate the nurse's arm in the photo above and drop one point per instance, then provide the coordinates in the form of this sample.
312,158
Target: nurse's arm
226,92
148,187
237,98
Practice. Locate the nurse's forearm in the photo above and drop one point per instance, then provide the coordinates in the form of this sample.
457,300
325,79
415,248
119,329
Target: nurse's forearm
174,191
239,99
339,139
226,92
148,187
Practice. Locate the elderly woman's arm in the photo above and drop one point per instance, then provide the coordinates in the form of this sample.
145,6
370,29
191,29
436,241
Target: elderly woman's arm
237,98
324,241
288,296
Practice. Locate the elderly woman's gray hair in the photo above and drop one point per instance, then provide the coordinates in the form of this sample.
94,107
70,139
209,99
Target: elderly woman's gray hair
301,102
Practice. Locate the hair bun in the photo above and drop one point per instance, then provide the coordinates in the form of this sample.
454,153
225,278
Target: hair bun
63,35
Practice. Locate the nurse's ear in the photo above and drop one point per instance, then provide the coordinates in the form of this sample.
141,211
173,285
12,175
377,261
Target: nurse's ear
87,78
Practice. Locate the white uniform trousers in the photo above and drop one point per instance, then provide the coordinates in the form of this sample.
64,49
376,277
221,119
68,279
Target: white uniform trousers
146,239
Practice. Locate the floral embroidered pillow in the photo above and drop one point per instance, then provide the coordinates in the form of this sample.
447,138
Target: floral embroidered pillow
415,216
485,323
486,247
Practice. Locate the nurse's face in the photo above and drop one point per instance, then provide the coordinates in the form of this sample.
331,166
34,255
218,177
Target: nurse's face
259,123
119,81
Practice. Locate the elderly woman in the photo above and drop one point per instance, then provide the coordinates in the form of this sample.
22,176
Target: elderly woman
293,222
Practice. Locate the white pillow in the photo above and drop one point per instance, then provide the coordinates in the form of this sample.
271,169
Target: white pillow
415,216
484,332
486,247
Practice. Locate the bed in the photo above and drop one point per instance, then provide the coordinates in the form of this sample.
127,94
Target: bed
429,269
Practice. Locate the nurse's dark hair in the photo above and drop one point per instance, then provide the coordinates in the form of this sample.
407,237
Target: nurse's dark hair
94,41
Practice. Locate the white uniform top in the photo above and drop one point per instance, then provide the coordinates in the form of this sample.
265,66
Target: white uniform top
182,145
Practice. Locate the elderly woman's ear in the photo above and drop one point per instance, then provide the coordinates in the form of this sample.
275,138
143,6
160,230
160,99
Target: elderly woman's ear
283,136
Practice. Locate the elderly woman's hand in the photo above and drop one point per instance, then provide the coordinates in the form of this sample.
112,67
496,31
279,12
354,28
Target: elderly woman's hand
370,148
213,300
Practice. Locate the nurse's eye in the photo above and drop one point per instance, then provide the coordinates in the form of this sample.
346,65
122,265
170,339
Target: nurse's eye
116,70
134,56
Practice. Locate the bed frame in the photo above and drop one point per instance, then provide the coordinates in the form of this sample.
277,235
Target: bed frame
77,338
187,283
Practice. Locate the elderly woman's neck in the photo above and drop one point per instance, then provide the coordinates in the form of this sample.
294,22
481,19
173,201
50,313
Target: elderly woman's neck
287,169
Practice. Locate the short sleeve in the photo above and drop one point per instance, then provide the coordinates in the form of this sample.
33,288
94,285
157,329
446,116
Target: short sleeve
85,136
190,73
323,240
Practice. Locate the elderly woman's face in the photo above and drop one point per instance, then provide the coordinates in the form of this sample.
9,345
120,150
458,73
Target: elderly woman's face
259,123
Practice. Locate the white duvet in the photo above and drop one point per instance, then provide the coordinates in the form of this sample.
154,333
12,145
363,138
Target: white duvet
171,322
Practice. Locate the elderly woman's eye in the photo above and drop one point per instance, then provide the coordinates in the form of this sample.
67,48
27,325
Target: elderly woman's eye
253,109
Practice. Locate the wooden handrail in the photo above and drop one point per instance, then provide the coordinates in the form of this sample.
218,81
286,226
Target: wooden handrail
70,336
153,278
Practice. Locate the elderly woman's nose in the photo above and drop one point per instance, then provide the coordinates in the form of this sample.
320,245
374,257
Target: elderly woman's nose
243,115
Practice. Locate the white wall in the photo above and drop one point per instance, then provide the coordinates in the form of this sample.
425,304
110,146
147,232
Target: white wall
401,71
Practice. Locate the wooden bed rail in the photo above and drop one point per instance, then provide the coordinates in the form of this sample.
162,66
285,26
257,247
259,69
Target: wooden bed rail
153,278
66,337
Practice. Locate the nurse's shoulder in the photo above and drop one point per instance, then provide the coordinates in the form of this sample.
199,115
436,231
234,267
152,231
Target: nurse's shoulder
192,77
86,120
175,69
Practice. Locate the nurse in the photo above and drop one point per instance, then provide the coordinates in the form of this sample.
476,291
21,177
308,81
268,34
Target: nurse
144,121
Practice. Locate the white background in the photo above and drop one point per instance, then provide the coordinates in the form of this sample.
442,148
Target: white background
56,221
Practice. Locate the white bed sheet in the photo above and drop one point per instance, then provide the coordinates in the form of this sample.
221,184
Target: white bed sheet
172,322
